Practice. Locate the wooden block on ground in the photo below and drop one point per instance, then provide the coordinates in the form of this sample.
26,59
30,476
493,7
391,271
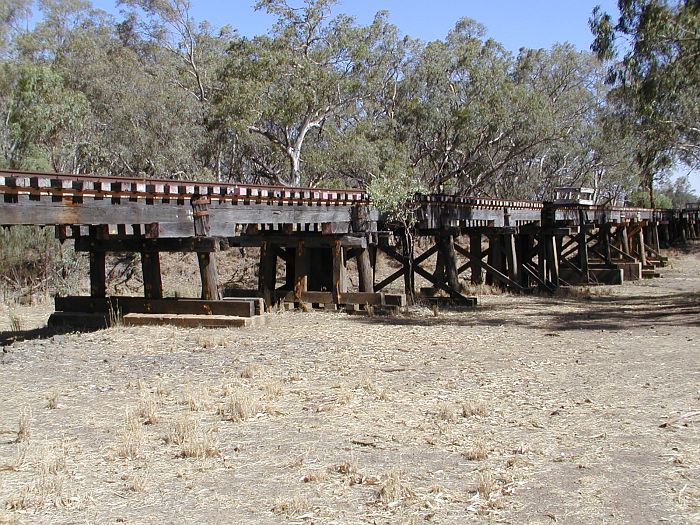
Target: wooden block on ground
86,320
258,303
139,305
193,321
449,301
630,271
240,293
606,275
371,311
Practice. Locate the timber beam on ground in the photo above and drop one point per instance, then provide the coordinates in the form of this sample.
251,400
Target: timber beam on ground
115,305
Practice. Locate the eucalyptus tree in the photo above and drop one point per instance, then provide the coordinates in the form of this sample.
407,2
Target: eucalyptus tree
654,48
562,122
195,48
12,14
313,70
455,109
46,121
175,49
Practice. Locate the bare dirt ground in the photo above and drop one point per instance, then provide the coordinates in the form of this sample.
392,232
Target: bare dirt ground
525,410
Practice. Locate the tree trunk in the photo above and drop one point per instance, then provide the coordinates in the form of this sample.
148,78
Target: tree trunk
294,175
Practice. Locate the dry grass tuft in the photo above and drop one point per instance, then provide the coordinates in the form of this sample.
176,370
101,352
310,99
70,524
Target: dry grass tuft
447,412
202,444
52,401
211,341
250,371
48,485
196,398
295,506
316,475
135,482
15,321
393,489
384,395
482,289
52,460
368,385
583,292
148,408
193,442
24,428
272,389
162,389
131,436
181,430
477,452
474,408
487,485
19,460
239,406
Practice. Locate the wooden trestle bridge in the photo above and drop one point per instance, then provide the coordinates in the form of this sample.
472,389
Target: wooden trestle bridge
313,233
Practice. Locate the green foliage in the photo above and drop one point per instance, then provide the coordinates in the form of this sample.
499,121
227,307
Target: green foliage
45,119
640,198
392,187
12,12
323,100
656,80
311,73
32,262
668,194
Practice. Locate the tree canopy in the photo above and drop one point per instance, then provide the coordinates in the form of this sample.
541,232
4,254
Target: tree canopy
323,100
654,48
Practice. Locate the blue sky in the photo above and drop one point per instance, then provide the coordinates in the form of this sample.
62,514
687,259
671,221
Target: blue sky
533,23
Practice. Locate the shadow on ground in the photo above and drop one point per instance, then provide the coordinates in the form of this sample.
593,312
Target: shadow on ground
568,313
7,338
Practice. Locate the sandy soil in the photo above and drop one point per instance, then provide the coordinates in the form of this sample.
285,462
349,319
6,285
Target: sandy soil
525,410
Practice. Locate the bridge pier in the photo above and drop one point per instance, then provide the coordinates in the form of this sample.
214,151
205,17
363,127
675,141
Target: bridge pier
152,281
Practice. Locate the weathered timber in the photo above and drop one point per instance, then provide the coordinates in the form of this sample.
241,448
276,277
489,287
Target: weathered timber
365,271
511,257
267,273
143,245
175,220
340,279
358,298
152,281
449,257
207,260
98,276
391,252
476,256
406,243
193,320
241,308
301,271
289,240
